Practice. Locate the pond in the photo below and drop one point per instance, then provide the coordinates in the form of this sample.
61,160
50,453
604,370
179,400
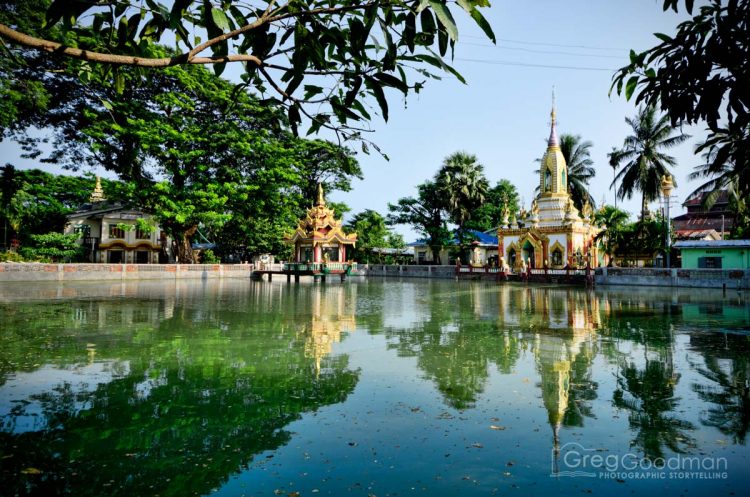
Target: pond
371,388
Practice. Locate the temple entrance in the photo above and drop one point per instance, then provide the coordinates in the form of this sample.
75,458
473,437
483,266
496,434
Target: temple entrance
512,258
528,254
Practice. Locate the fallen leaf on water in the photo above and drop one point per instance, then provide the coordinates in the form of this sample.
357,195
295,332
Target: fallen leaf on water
477,445
31,471
495,427
293,494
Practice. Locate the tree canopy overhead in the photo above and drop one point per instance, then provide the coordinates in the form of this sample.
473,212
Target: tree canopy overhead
326,60
701,74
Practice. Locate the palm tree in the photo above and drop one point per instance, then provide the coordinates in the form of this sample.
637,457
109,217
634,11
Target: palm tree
614,162
645,163
724,174
577,154
463,185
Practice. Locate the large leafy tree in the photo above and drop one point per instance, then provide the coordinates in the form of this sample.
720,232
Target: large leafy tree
325,61
501,198
372,232
426,214
642,157
35,202
463,187
615,224
701,74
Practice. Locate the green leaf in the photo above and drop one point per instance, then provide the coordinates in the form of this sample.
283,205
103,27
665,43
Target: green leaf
428,22
220,19
410,30
482,23
630,86
663,37
445,18
377,91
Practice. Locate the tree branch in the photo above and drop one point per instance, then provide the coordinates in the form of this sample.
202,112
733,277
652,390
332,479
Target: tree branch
77,53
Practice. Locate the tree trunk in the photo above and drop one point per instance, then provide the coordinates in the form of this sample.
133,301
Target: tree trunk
185,253
435,254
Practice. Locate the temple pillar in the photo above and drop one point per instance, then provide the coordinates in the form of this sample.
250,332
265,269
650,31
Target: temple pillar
317,253
545,253
342,253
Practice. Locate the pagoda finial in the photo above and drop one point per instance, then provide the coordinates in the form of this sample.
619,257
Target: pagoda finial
98,194
321,199
553,121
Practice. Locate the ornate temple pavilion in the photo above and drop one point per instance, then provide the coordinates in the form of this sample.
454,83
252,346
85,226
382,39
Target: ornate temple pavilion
553,233
319,237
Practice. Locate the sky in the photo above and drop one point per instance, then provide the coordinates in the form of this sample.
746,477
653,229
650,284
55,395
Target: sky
502,114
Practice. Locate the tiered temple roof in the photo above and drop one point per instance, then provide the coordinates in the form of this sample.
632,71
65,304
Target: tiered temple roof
321,226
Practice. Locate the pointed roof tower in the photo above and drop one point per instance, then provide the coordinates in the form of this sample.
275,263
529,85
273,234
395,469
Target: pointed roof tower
98,194
553,175
553,124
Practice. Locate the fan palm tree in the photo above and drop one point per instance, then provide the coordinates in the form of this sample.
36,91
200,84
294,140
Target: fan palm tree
463,185
645,163
577,154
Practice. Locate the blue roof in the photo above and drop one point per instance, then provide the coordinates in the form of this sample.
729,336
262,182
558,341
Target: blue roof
484,238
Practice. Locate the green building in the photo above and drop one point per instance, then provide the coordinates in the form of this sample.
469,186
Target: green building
715,254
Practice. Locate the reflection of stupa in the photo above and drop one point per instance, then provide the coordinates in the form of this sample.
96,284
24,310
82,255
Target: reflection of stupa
331,315
572,318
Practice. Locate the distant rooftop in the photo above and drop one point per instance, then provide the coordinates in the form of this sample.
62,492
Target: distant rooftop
712,244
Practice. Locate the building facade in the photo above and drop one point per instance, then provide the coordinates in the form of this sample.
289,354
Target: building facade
553,233
714,254
112,233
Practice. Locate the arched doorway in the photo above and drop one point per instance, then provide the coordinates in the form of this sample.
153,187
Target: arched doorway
527,253
512,257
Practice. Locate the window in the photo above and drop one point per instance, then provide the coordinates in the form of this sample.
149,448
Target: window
116,232
142,257
547,180
709,262
421,257
142,235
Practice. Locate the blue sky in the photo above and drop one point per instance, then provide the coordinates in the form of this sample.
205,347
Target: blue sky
502,114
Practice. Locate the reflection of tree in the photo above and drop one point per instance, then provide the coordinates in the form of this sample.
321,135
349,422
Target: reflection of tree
727,365
648,396
204,392
453,347
646,388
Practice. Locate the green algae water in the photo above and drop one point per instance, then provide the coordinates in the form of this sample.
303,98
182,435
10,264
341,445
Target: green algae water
371,388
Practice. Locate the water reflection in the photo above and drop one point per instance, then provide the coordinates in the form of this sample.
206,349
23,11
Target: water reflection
146,397
168,389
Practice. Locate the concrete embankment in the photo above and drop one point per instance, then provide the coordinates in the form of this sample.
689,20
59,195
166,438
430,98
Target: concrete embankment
731,279
117,272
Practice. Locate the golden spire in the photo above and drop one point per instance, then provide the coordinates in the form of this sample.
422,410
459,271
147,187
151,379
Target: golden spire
553,121
98,194
321,199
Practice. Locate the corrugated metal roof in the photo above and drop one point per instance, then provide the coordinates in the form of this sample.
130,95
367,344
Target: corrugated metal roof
712,244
